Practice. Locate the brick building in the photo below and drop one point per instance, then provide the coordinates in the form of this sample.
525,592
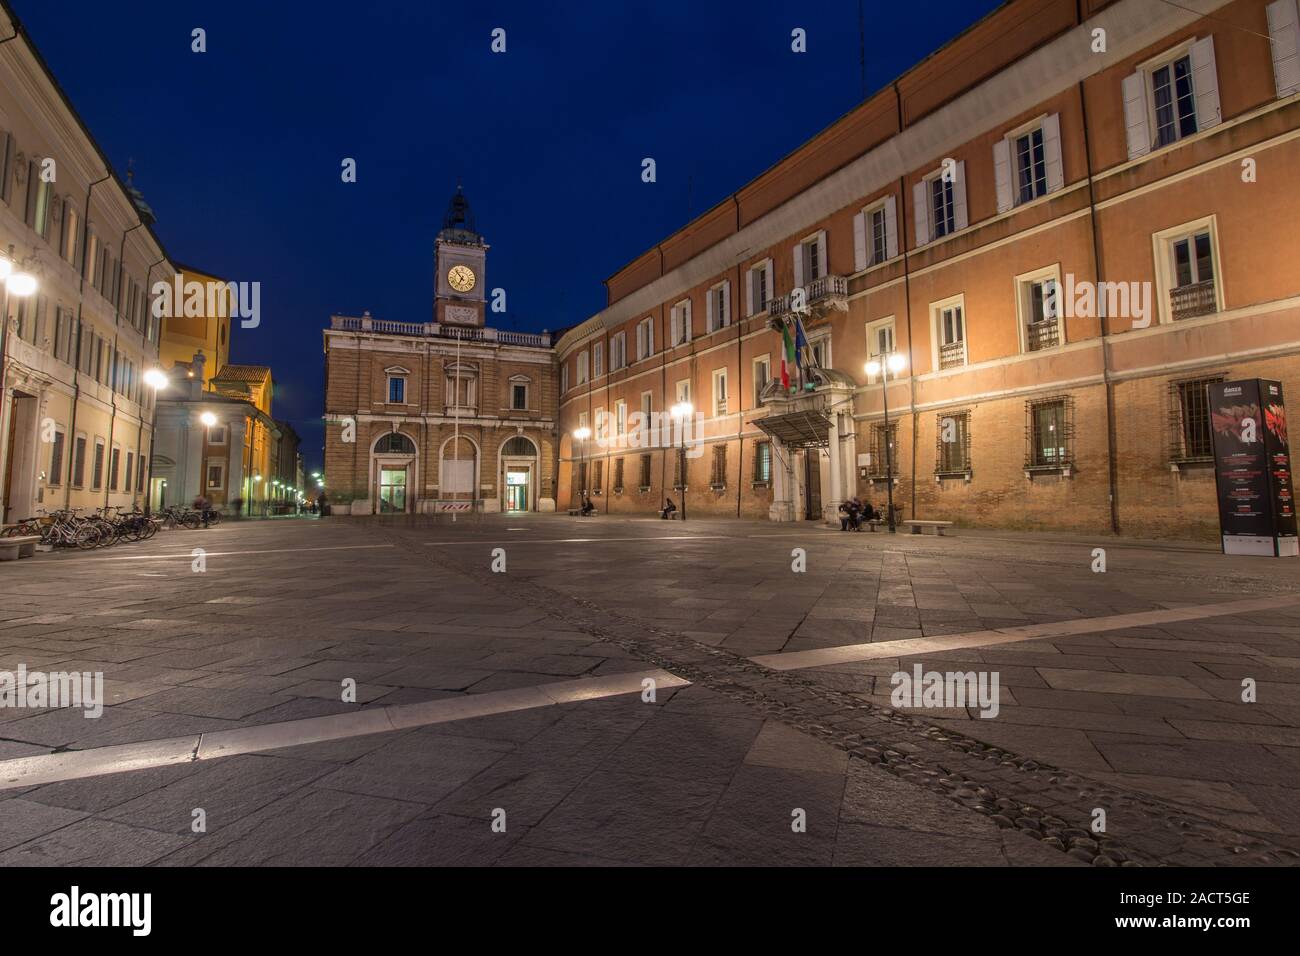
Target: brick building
1064,223
448,415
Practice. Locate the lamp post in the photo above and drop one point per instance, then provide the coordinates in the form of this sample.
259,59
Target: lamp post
681,413
19,282
889,362
581,435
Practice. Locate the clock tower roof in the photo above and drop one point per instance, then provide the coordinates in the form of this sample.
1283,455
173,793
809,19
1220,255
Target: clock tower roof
458,223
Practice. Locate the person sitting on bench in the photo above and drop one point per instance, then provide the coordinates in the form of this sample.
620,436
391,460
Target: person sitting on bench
869,513
668,510
587,506
849,510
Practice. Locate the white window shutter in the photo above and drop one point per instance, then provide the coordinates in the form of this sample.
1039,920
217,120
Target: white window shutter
1135,115
859,242
650,337
686,321
1205,80
1002,173
821,253
891,228
675,329
750,277
1052,152
921,210
726,302
709,311
798,265
1284,31
961,219
770,279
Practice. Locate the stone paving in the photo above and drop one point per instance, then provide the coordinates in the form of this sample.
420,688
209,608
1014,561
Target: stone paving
1146,722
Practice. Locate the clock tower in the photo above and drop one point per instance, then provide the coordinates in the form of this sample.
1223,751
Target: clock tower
460,284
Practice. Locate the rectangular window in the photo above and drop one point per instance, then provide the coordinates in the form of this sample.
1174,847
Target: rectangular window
620,418
1193,293
1040,312
879,236
130,463
216,476
884,447
762,462
618,476
564,378
880,339
55,477
680,321
217,435
953,443
597,359
1189,424
720,392
762,375
396,390
758,289
645,473
97,471
821,351
1049,433
942,208
1031,165
598,473
814,267
114,461
519,397
951,330
718,474
684,390
645,339
79,462
71,233
582,368
1174,97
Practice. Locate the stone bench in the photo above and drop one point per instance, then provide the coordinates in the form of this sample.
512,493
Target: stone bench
11,549
918,527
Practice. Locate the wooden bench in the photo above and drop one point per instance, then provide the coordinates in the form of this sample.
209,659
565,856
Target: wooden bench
11,549
577,513
918,527
874,523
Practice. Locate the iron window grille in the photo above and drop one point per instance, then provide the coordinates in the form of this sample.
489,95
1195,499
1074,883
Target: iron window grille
762,463
718,476
1049,433
618,476
1190,437
877,467
645,473
952,443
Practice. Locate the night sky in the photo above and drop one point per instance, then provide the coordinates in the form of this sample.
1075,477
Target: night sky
238,149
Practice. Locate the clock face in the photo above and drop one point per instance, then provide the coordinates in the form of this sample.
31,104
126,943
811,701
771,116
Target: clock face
460,278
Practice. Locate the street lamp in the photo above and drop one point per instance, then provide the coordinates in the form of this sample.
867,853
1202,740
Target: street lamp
890,362
581,435
681,412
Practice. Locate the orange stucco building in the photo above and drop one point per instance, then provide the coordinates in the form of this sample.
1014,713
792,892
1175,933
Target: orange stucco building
1064,224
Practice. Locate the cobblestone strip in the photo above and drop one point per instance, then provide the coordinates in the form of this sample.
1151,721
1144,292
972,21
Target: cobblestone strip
1051,805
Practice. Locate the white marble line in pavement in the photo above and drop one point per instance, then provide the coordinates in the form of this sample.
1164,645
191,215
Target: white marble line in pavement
76,764
849,653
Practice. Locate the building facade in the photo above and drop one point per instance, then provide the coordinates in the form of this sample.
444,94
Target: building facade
75,412
448,415
1063,224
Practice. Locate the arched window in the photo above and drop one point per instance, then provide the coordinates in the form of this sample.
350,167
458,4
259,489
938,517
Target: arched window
520,447
394,443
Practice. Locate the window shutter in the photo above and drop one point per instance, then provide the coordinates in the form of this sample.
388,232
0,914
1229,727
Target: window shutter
769,279
960,217
1284,30
859,242
650,338
891,228
1052,152
33,178
921,211
1135,115
676,329
686,321
726,303
1002,173
750,278
821,253
709,310
798,265
1205,80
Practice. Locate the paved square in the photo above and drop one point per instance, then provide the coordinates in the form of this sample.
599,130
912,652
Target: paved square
503,717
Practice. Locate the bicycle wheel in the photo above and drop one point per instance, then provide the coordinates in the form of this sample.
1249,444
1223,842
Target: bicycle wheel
191,521
86,537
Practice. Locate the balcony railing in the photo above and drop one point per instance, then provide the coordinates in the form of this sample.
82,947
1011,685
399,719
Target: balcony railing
345,323
823,295
1043,335
1189,301
952,355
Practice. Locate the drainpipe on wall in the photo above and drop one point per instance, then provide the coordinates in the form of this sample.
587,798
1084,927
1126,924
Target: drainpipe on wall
153,423
1112,465
117,321
907,301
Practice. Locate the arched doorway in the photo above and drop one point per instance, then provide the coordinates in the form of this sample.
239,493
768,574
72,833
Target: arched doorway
519,474
458,474
392,474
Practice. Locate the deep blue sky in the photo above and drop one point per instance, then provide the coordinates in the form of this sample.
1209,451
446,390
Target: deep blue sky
238,150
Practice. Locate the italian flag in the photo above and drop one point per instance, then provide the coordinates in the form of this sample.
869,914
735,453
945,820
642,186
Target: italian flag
787,357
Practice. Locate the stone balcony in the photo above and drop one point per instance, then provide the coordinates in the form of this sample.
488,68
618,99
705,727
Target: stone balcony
821,297
346,323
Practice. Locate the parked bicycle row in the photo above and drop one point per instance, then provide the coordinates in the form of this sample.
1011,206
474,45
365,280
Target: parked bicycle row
69,528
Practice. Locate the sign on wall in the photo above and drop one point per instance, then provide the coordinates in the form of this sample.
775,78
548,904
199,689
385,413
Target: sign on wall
1252,468
457,476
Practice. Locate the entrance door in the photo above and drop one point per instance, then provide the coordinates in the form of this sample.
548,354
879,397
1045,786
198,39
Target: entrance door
392,490
516,489
812,483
